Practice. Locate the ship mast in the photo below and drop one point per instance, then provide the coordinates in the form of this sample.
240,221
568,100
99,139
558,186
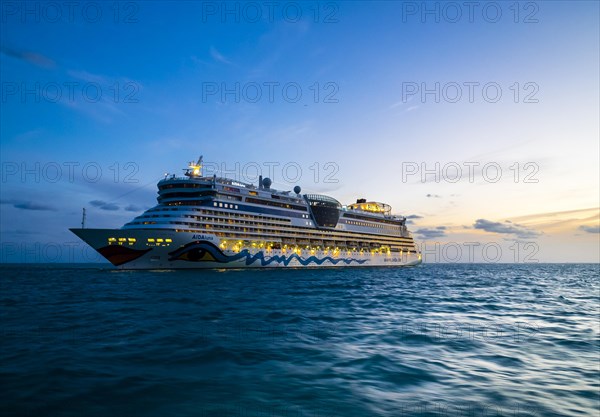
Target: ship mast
194,169
83,219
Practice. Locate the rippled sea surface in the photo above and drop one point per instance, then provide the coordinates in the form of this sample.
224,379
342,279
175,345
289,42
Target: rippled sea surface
434,340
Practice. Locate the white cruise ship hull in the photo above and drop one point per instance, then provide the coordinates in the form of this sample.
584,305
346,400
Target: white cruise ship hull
167,249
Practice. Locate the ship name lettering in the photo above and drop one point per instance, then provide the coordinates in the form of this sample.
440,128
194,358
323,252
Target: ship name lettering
391,259
201,237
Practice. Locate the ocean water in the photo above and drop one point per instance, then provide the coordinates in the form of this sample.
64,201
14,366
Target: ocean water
434,340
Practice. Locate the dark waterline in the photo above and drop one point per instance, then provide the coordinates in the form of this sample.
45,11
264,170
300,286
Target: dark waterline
434,340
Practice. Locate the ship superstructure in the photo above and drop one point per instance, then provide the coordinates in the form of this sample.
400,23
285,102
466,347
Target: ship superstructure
215,222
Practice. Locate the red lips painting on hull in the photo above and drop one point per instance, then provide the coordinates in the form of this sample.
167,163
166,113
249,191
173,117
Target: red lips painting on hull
119,255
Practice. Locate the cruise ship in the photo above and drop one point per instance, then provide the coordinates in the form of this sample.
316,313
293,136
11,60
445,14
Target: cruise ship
215,222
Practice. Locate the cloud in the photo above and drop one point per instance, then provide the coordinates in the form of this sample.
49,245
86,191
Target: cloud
28,205
402,102
131,207
28,56
431,233
110,207
410,218
590,229
89,77
433,196
217,56
103,109
102,205
505,228
544,216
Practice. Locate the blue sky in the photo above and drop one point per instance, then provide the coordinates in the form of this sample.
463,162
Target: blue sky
358,119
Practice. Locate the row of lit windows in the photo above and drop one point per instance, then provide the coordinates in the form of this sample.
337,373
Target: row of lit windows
148,216
269,223
379,226
221,213
261,232
261,227
162,209
158,242
121,241
395,230
376,219
290,199
237,244
269,227
218,215
256,246
194,194
229,220
236,207
182,185
248,200
379,222
230,197
131,241
275,204
229,214
225,205
394,247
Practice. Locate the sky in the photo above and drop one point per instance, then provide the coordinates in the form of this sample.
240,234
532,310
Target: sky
478,121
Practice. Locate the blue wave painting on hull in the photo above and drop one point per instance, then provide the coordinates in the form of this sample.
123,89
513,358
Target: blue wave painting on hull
208,252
